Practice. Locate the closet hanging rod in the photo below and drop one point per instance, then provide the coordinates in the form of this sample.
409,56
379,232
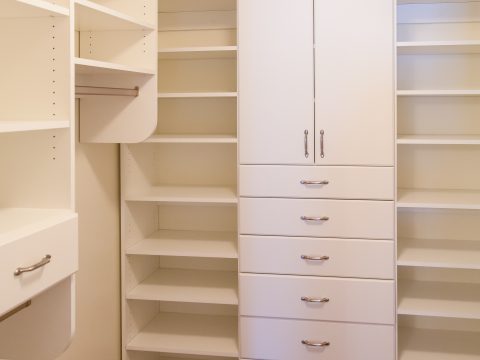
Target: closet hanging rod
105,91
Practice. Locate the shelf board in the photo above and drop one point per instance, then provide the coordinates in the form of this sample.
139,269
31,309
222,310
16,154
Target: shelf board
204,244
439,199
188,334
439,299
174,6
192,139
93,67
438,140
198,52
438,92
21,126
425,344
31,8
188,286
90,16
198,95
450,254
188,194
438,47
405,2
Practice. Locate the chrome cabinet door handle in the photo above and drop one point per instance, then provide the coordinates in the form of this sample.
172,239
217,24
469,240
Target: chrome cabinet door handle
313,182
315,258
315,344
314,218
322,153
314,300
41,263
305,142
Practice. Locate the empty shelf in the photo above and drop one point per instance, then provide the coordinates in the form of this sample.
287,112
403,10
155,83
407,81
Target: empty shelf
188,286
90,16
205,244
439,299
31,8
454,254
87,66
403,2
424,344
198,52
438,140
20,126
438,92
198,95
438,199
189,334
438,47
193,139
174,6
187,194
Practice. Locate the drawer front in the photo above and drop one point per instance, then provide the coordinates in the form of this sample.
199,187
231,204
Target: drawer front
330,218
376,183
59,241
279,339
314,256
311,298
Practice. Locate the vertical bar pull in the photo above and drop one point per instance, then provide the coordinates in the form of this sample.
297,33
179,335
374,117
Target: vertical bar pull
306,143
322,153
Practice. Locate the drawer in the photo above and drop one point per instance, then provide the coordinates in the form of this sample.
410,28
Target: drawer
341,218
314,298
58,239
279,339
376,183
339,257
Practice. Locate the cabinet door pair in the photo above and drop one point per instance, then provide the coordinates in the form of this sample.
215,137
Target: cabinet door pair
316,82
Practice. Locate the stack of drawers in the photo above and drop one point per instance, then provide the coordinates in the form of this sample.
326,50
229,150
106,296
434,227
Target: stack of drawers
317,263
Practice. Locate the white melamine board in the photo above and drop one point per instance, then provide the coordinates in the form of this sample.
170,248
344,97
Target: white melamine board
188,286
20,126
197,20
455,254
208,244
438,139
195,5
196,38
438,32
439,199
198,52
402,2
428,11
31,8
94,67
90,16
191,139
144,11
187,194
433,92
198,95
425,344
439,299
438,47
188,334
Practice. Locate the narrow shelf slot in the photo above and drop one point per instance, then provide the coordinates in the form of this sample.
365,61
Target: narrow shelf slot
438,140
90,16
438,92
193,139
439,299
204,244
31,8
198,95
188,286
22,126
189,334
198,52
439,199
438,47
92,67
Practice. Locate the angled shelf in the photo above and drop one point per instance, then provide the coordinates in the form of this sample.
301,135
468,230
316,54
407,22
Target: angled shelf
198,95
187,194
439,299
188,334
438,199
449,254
92,67
90,16
438,47
192,139
198,52
438,92
203,244
438,140
22,126
31,8
188,286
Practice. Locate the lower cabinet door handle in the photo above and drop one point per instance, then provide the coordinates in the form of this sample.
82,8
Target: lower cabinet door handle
314,300
315,344
41,263
315,258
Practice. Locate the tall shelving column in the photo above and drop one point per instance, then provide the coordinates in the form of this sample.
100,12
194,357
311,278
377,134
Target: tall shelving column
438,199
179,196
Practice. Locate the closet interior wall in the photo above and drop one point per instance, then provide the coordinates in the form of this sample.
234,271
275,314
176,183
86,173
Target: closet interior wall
438,201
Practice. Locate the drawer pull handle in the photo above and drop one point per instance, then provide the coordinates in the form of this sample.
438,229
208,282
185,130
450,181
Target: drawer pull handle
314,218
312,182
315,344
315,258
34,267
315,300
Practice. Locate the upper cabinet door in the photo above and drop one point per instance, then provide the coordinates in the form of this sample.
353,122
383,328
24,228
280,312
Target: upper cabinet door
276,86
354,67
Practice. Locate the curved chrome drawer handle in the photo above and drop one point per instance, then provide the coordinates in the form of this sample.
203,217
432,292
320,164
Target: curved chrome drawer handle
314,300
313,182
315,258
41,263
314,344
314,218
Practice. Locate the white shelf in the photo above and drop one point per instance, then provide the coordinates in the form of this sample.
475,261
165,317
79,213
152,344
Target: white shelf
423,344
438,47
90,16
175,6
187,194
192,139
439,199
452,254
30,8
438,140
92,67
21,126
189,334
439,299
188,286
198,52
404,2
198,95
204,244
438,92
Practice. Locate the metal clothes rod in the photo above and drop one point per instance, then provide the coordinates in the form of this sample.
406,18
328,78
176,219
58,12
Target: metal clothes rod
15,311
105,91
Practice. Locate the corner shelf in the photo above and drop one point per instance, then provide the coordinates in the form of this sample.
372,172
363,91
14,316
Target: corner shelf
192,139
439,199
438,47
198,52
438,92
22,126
438,140
93,67
198,95
90,16
187,194
202,244
31,8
